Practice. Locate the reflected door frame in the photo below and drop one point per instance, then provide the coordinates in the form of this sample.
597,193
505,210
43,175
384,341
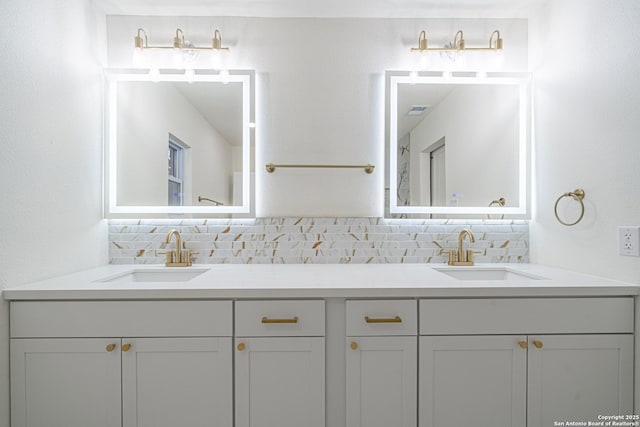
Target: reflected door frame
433,175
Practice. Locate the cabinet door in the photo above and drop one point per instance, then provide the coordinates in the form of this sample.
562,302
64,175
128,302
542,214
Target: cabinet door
65,382
280,382
578,377
382,381
177,382
472,381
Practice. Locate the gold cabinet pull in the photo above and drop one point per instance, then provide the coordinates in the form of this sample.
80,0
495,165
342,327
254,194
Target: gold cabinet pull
523,344
396,319
537,343
111,347
241,346
126,347
294,319
354,345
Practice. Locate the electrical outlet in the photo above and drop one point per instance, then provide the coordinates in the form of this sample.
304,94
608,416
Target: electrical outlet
629,240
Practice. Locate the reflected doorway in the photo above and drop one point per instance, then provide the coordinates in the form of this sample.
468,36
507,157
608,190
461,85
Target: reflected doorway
438,188
433,175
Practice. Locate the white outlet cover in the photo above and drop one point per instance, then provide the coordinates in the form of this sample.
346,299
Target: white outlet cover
629,240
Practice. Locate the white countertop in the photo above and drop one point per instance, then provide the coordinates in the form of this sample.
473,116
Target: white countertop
318,281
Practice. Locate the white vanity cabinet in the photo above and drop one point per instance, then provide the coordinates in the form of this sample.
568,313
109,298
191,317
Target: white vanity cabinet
179,373
524,362
381,363
280,363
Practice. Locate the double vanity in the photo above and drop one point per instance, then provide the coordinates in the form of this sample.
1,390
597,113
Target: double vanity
321,345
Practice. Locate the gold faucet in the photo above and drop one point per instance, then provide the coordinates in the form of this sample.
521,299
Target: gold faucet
180,257
462,257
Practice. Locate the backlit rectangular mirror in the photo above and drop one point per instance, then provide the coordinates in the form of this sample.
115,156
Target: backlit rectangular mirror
458,144
178,144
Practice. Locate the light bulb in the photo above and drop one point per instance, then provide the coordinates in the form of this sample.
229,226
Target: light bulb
138,58
413,77
216,60
154,73
224,76
189,74
424,61
499,58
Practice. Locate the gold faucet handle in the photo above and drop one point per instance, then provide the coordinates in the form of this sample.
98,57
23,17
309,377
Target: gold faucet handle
186,256
453,256
169,254
470,254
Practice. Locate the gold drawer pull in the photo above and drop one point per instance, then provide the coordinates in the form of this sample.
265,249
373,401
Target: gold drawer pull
292,320
241,346
396,319
111,347
537,343
126,347
523,344
354,345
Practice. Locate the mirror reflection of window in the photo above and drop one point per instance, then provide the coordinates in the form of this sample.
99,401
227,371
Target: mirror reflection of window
211,118
176,173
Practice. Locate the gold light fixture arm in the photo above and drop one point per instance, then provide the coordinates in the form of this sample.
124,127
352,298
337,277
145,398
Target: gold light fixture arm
422,43
498,41
141,42
459,43
216,42
178,40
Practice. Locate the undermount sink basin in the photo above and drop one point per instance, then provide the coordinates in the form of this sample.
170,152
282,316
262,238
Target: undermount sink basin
156,275
484,273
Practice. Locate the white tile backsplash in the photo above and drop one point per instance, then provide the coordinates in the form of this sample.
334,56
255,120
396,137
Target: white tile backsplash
317,240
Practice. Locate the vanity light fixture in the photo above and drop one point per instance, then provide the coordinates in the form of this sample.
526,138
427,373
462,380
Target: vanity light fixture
496,44
141,42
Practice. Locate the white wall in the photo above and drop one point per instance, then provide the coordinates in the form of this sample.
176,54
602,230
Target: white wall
586,60
320,94
480,125
147,113
50,134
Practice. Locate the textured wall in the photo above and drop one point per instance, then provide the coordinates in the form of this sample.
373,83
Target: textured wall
318,240
587,107
50,134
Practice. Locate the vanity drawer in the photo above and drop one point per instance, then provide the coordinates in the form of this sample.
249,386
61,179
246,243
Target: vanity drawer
51,319
381,317
526,316
283,318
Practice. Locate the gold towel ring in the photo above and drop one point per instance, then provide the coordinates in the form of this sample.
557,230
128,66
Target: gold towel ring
577,195
500,202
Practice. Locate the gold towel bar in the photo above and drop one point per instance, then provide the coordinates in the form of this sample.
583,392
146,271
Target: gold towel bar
207,199
271,167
